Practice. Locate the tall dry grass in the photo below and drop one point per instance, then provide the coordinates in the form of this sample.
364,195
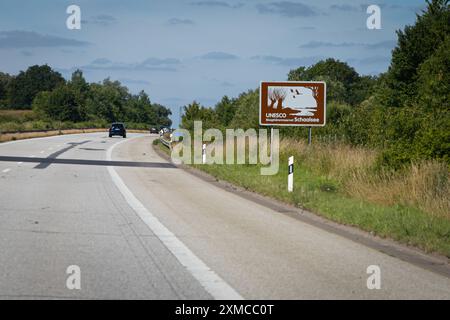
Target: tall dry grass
424,185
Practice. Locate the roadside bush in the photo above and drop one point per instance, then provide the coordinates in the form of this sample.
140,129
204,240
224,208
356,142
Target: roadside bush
10,127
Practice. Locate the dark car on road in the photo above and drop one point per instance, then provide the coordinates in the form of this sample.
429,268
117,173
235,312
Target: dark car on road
117,129
154,130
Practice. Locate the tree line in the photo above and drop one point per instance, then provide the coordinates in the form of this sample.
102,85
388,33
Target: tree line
52,98
404,112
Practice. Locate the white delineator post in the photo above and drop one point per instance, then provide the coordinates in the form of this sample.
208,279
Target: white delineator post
291,174
204,153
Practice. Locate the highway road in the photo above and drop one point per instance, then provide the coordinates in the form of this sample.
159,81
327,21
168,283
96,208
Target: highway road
139,228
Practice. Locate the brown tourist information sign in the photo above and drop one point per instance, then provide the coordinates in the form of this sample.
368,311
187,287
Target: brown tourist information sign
292,103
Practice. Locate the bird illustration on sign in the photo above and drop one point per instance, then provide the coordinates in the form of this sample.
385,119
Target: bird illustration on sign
296,101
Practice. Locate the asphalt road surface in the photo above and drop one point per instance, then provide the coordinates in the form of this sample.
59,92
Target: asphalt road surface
139,228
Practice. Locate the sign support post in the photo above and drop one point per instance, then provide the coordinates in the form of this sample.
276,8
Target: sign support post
271,144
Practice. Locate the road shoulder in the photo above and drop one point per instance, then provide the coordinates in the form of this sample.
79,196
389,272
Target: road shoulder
433,262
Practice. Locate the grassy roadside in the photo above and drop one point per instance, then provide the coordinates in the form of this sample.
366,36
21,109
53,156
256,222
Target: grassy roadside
40,134
161,147
340,183
25,121
25,124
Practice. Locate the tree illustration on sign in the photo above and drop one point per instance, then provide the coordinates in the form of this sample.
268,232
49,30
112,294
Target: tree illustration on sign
277,96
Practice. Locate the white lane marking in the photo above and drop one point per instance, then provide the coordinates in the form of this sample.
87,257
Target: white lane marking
32,156
42,152
208,279
6,170
19,163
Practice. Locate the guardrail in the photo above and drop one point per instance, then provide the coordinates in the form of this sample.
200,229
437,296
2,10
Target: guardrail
165,142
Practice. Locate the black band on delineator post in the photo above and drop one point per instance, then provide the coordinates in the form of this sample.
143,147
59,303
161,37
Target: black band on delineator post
290,169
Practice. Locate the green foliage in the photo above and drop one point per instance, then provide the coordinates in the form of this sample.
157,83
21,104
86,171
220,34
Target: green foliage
73,103
404,113
247,112
334,69
344,84
112,101
79,85
434,79
162,116
61,104
107,101
416,44
195,111
225,110
24,87
415,91
362,89
4,83
78,101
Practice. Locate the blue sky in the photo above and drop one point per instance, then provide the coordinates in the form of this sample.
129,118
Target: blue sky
184,50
